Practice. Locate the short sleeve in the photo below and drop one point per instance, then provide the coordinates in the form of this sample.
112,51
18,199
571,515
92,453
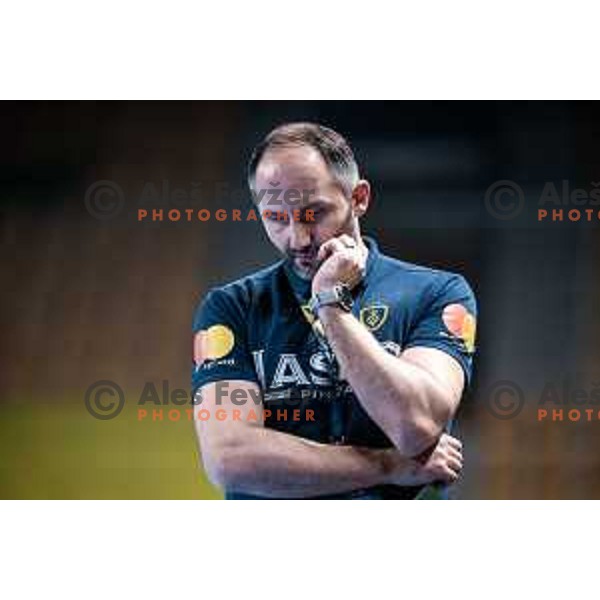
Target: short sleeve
447,321
220,349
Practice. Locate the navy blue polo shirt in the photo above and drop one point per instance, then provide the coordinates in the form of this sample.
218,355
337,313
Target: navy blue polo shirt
261,331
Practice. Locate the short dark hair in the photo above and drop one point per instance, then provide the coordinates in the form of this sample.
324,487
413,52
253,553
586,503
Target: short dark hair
332,146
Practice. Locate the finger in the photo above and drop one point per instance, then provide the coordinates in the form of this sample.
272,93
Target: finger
450,451
329,247
454,463
446,475
453,442
450,475
455,453
323,252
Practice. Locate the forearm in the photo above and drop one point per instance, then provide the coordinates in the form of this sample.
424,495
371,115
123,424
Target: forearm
401,397
269,463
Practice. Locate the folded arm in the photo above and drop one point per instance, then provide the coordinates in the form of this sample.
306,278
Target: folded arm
243,456
411,397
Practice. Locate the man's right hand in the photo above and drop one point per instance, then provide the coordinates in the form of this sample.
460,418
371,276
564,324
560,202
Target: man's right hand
443,464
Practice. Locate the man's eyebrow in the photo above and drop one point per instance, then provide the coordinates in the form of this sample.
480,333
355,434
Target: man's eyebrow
316,203
307,180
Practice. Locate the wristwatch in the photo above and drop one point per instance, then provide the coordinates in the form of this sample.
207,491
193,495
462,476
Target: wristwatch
338,296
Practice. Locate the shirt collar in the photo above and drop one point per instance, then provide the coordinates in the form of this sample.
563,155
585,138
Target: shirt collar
372,257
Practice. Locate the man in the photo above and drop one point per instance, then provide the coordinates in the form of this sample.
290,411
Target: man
335,372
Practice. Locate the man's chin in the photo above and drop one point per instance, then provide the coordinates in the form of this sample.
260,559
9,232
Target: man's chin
305,269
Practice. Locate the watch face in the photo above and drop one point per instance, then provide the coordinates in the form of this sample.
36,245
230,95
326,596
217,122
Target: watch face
344,297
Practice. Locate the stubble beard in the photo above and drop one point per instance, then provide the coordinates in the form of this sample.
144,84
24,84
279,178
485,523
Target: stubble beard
307,273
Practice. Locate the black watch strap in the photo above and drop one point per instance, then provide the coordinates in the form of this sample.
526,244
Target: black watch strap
339,295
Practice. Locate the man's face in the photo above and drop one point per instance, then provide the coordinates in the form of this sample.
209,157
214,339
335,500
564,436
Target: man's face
294,181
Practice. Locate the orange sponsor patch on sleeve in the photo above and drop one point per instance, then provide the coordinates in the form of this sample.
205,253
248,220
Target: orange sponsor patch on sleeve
461,324
213,343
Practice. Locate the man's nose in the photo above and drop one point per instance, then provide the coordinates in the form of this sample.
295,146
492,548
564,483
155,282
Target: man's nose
299,235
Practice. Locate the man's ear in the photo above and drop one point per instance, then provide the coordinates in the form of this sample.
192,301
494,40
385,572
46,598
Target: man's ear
361,197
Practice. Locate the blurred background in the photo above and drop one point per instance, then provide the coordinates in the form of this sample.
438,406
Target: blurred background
90,293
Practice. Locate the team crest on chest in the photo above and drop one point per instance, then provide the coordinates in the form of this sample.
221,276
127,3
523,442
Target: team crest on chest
374,316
